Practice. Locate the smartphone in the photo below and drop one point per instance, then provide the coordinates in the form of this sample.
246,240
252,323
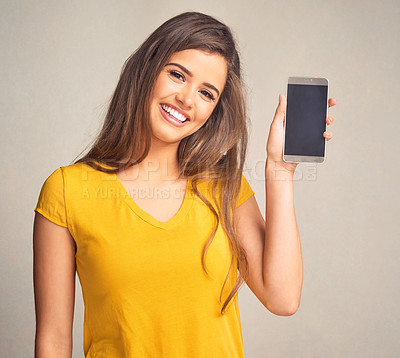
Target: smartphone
305,120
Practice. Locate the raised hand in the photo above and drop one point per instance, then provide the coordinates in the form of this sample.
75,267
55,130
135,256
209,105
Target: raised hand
276,135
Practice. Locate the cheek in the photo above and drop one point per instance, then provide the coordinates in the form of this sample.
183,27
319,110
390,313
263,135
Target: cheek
204,111
162,88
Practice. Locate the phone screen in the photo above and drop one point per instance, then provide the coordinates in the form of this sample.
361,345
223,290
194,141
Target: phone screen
305,120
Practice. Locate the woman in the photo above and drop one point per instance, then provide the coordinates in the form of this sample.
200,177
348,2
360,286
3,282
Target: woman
157,217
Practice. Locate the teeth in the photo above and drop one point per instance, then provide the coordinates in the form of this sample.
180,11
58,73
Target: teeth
178,116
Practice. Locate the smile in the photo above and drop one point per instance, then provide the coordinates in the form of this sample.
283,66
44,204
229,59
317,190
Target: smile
174,114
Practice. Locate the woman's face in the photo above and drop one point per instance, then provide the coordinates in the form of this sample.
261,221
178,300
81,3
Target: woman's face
185,94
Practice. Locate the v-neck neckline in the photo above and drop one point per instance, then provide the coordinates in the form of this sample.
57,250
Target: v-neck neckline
175,220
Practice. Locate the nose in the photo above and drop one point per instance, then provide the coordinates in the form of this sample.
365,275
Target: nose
185,97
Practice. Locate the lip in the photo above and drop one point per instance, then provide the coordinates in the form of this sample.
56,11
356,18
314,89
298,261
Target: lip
178,110
171,120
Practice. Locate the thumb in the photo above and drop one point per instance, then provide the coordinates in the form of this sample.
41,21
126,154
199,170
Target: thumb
280,110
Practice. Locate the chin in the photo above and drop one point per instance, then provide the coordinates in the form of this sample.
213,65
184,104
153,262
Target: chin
163,131
166,135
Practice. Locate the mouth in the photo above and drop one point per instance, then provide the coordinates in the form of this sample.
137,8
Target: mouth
175,113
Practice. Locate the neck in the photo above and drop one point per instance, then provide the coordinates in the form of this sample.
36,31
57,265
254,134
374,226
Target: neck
160,164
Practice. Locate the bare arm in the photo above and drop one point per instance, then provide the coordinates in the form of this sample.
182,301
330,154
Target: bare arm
282,257
54,288
273,250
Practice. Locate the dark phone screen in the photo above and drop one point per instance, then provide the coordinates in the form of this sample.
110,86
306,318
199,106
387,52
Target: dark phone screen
305,120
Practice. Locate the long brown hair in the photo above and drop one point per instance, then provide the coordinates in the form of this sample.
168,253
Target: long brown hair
215,153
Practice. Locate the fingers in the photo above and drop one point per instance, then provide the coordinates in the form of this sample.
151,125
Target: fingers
329,120
332,102
327,135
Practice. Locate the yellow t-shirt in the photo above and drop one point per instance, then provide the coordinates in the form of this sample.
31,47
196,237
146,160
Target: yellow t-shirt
144,288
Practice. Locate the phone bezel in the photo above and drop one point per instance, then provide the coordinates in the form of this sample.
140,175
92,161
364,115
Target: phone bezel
311,81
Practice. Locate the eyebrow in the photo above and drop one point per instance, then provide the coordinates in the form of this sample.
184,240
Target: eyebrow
184,69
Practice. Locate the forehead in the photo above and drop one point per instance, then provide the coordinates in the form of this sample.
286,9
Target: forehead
204,66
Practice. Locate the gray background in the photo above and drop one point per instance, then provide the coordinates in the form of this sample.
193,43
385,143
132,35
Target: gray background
60,62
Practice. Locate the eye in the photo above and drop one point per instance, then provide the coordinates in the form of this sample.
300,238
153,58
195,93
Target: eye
207,94
176,74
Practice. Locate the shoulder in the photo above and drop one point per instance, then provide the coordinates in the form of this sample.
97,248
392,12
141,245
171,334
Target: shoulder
67,177
76,168
245,191
72,168
82,173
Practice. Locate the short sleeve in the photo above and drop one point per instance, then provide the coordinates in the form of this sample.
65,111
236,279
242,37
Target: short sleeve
245,191
51,202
